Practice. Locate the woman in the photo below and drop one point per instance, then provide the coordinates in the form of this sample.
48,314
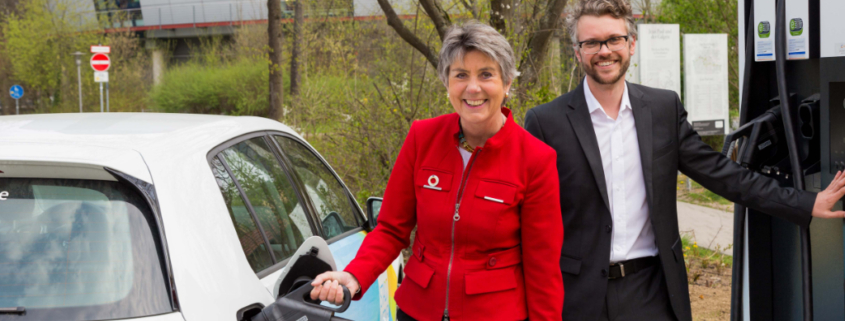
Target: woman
484,195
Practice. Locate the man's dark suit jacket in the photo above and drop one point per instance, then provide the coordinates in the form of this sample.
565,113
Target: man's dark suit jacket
667,144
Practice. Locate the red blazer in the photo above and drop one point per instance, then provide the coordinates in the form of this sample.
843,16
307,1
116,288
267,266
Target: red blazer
503,240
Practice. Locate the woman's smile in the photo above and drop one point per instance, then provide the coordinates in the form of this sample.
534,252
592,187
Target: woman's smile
474,103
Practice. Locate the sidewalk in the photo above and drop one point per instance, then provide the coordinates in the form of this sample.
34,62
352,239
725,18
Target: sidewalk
709,227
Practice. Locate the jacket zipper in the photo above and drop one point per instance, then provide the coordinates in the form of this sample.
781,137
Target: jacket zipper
455,220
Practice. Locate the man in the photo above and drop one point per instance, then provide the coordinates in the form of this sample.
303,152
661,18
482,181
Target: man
619,148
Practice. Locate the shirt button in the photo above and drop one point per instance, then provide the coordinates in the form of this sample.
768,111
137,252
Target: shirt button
604,273
608,228
492,261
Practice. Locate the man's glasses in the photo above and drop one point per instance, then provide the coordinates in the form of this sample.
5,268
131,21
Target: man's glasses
613,44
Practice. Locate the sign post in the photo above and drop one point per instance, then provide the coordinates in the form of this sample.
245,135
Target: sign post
79,76
16,92
100,63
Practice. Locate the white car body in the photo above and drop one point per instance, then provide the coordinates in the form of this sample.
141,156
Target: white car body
210,273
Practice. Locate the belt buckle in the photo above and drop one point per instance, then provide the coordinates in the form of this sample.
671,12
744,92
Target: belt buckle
621,270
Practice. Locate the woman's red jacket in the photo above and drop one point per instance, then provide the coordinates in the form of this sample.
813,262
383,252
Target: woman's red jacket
496,225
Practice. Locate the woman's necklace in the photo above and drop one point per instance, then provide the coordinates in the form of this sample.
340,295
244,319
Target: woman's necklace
464,144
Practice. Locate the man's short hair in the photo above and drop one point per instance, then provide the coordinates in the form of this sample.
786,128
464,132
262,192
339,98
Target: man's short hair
619,9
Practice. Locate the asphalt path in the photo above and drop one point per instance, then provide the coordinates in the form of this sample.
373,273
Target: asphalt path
710,228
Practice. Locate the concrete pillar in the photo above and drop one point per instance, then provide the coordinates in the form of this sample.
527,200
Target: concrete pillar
157,49
158,65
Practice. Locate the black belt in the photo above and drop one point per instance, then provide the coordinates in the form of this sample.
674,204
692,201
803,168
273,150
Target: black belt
626,268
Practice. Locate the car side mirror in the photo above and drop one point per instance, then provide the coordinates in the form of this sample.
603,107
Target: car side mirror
373,207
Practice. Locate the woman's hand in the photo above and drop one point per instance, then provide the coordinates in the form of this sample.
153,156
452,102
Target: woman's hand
327,286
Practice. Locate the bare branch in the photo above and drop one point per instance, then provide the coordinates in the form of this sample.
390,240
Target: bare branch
469,7
409,37
438,16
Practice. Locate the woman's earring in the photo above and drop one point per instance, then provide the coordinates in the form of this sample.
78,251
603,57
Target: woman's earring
447,95
506,95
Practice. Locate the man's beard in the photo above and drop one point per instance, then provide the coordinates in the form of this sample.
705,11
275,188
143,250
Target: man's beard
595,75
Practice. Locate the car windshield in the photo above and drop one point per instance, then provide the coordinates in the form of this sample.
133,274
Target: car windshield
78,250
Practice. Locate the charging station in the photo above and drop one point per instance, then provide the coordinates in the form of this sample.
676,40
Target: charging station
792,128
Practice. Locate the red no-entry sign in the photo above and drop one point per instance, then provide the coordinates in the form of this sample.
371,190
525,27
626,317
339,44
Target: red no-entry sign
100,62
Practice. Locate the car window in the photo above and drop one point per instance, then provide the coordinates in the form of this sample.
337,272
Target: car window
78,250
271,195
252,243
333,205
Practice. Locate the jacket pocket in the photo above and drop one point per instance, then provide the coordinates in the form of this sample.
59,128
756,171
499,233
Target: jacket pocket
570,265
487,281
500,273
663,150
496,192
677,252
418,272
434,179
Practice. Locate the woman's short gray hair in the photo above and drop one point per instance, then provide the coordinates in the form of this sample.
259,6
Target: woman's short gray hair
618,9
474,35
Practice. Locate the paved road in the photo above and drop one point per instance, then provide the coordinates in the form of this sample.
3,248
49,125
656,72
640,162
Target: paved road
709,227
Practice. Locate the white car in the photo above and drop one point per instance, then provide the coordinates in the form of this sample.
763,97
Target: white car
165,217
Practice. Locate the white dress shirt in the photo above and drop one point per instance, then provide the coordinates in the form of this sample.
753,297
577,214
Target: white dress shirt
632,234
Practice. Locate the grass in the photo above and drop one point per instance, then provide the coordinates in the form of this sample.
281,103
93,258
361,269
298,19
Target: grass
701,261
701,196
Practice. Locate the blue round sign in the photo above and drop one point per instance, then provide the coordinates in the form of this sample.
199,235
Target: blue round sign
16,91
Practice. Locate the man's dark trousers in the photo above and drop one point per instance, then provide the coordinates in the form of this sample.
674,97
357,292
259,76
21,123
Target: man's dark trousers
667,144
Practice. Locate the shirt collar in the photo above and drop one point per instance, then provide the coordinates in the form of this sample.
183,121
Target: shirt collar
593,103
498,139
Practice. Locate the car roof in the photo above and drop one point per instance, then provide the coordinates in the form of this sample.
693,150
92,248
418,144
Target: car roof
131,130
114,139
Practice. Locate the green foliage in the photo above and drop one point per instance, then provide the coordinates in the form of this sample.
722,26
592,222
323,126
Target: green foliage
703,257
37,45
229,88
38,42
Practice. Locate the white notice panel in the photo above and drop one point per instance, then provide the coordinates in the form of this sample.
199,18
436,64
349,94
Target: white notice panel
797,30
832,28
764,37
706,82
659,48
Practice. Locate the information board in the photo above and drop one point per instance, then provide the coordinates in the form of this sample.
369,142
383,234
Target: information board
832,30
706,97
659,48
764,35
797,30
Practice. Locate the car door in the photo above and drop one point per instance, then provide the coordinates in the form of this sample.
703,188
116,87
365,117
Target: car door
341,222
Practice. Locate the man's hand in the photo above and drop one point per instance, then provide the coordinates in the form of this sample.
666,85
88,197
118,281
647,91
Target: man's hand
828,197
327,286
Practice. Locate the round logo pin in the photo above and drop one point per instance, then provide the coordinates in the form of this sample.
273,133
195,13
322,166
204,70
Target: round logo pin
433,180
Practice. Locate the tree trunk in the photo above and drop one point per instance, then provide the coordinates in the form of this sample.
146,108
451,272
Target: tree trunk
500,12
538,45
274,32
296,51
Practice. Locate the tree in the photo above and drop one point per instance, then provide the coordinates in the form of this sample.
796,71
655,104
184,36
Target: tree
274,31
37,43
296,50
531,36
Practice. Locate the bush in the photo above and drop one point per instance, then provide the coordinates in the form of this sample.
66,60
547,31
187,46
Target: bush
230,88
